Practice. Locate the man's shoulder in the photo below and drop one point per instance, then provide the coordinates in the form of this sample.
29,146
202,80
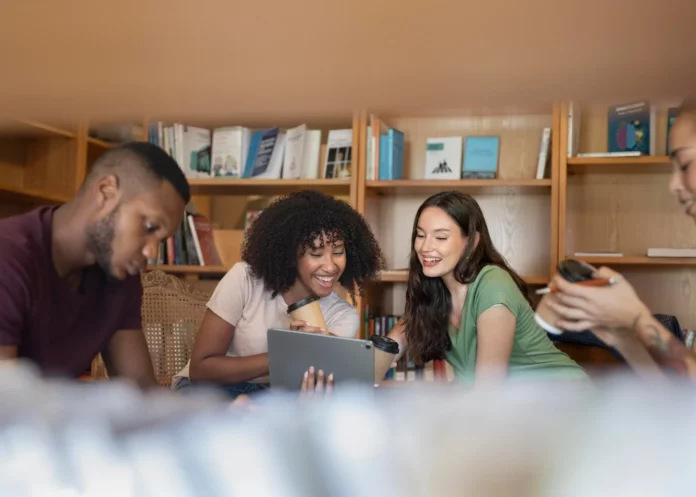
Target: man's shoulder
21,240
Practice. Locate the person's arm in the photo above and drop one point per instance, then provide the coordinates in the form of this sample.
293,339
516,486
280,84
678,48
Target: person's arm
495,332
126,356
620,319
632,350
209,360
663,346
496,302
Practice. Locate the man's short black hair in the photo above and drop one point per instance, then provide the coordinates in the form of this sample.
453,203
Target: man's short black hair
131,159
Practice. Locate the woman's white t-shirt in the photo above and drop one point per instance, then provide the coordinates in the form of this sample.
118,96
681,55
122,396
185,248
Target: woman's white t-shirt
241,300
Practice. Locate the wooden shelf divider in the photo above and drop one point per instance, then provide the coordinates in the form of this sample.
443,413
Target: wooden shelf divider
426,186
234,186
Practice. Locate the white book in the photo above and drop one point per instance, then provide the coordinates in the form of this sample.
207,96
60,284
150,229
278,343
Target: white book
443,158
193,141
370,172
294,152
598,254
671,252
311,152
574,114
229,151
339,146
543,153
628,153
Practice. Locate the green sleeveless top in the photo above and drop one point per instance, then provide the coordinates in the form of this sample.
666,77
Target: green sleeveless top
533,355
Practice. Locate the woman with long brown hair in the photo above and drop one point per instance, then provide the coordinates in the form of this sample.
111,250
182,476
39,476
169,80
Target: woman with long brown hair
466,305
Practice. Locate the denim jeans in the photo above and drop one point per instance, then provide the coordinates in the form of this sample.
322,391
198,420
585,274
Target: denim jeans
234,390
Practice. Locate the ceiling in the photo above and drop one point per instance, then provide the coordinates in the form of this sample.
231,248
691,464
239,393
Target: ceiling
316,60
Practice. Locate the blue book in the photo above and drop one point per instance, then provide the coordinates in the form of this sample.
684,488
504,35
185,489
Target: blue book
391,155
481,157
260,152
629,128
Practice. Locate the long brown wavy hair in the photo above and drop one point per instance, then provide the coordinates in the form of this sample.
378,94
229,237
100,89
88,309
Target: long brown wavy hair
428,301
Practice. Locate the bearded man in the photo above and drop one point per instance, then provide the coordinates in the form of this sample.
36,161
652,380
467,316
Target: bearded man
70,275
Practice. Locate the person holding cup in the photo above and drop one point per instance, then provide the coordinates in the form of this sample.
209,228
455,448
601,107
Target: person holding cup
296,252
465,304
614,313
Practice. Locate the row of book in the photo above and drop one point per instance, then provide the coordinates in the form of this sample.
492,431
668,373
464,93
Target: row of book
446,157
406,369
241,152
192,244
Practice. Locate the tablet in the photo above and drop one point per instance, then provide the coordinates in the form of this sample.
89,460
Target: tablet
291,353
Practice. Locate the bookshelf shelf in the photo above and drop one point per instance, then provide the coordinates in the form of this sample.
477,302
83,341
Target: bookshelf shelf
100,143
622,165
183,269
234,186
24,128
24,196
401,276
426,187
638,260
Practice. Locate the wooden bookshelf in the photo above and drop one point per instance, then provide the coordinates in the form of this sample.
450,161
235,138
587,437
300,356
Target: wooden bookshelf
521,211
624,205
587,204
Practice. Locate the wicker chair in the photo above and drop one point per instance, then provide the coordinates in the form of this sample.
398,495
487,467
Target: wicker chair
171,314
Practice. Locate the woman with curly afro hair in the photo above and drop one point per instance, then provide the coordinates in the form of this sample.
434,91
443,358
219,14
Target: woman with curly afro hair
303,244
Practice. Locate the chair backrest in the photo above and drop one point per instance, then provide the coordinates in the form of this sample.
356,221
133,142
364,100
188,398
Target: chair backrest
171,313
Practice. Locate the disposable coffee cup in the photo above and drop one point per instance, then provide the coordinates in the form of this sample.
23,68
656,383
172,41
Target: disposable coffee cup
309,311
572,271
385,351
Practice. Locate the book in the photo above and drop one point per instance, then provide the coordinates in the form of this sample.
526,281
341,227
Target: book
481,157
671,252
442,158
229,151
544,157
391,155
631,128
339,150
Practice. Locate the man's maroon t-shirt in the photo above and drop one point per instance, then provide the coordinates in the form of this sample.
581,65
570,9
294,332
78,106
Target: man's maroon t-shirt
59,328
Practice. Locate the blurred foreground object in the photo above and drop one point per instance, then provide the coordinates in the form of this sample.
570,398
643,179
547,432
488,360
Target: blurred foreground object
621,439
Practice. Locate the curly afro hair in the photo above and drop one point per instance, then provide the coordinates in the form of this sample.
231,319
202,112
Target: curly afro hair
294,222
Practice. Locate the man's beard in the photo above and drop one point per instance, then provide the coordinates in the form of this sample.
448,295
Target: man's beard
100,237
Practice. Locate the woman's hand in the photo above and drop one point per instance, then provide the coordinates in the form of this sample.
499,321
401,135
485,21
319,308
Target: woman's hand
312,384
608,310
298,325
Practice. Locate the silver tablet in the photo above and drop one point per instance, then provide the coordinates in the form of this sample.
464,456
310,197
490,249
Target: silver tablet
291,353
